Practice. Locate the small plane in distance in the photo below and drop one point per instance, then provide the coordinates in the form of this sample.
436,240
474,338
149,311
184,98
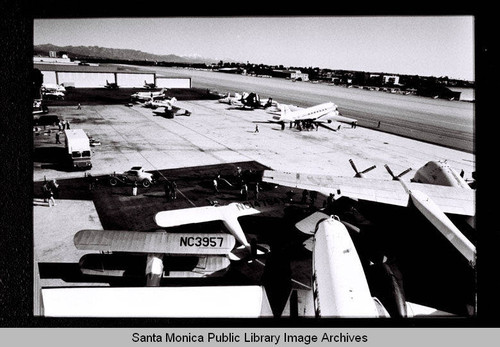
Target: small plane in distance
148,96
317,115
231,99
246,100
435,190
169,108
149,85
111,85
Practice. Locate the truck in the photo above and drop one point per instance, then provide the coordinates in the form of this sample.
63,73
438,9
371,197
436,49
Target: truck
78,150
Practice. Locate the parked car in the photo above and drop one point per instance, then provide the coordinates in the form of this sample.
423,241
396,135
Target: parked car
135,174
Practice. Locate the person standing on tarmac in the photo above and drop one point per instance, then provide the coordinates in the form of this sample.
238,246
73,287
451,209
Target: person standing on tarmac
173,191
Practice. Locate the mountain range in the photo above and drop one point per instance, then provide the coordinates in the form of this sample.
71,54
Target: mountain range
86,52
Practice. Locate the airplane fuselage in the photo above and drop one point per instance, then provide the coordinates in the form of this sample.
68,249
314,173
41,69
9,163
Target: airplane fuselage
340,288
315,112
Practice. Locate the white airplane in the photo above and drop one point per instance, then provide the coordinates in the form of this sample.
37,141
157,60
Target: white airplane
146,96
228,214
53,87
154,103
339,285
169,107
231,99
318,115
124,250
436,189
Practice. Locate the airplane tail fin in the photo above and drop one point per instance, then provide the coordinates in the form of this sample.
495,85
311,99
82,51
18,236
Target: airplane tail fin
173,100
284,114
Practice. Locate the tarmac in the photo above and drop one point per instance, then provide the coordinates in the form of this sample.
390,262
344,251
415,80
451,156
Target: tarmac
214,134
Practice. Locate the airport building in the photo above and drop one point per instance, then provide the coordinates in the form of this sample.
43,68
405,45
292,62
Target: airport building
74,75
291,74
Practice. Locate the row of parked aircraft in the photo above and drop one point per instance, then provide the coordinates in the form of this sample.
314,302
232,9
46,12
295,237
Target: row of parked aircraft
340,287
159,100
318,115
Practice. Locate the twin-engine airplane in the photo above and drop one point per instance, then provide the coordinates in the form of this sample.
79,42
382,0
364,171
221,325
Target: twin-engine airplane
317,115
435,190
340,288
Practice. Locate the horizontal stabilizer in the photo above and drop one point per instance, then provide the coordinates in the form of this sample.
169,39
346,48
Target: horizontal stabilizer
308,225
192,215
151,302
154,242
228,214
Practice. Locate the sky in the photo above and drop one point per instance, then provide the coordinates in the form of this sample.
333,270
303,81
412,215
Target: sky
421,45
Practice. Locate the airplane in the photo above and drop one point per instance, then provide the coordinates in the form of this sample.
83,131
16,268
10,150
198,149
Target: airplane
317,115
149,85
52,87
125,251
435,190
227,301
340,286
111,85
169,109
147,96
228,214
250,100
230,99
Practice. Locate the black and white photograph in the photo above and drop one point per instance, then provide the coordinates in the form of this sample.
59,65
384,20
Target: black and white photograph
254,167
216,175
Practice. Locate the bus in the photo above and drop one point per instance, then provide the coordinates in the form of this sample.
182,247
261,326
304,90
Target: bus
78,149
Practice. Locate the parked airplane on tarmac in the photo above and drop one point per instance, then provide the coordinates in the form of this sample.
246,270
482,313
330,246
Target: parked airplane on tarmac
339,285
149,85
317,115
244,301
435,189
147,96
169,108
246,100
130,249
228,214
111,85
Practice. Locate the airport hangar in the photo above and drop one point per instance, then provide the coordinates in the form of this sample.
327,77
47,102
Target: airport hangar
95,76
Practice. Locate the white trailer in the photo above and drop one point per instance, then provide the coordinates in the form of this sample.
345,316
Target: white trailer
78,149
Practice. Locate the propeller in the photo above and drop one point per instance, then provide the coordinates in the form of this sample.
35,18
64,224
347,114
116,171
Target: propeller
394,177
360,174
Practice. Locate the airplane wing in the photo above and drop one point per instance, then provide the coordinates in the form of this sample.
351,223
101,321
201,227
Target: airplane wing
450,199
388,192
227,214
154,242
151,302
